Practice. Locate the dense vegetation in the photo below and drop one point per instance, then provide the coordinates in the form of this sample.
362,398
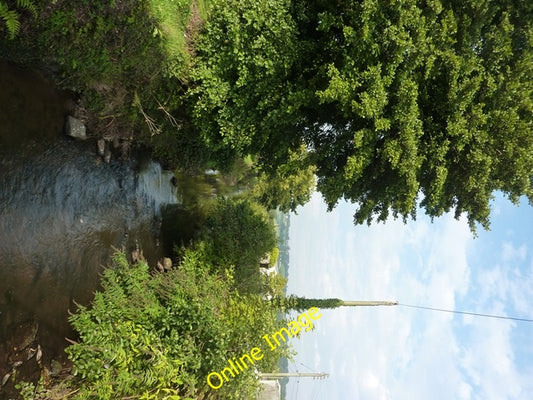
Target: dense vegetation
153,334
157,336
397,105
238,233
391,105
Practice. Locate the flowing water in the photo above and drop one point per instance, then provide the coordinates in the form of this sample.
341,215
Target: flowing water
63,212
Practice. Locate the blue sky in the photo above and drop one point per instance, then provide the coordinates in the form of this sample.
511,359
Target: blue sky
404,353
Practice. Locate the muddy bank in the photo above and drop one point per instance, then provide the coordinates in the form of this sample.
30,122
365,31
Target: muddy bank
32,110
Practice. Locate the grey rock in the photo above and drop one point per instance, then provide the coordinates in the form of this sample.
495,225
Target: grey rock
160,267
101,147
107,155
6,378
75,128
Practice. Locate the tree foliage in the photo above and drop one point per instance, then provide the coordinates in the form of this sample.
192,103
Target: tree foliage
301,303
238,98
400,104
432,100
289,186
238,233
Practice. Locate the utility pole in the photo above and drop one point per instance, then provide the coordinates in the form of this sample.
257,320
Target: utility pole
367,303
281,375
301,303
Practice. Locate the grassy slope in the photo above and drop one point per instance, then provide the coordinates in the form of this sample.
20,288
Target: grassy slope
128,61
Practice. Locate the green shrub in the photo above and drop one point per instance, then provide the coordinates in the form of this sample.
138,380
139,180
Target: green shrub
245,54
239,233
274,255
159,336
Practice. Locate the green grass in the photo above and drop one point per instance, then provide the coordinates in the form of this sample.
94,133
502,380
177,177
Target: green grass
177,21
172,17
136,74
203,8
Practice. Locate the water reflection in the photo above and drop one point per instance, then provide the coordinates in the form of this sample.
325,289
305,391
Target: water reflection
63,212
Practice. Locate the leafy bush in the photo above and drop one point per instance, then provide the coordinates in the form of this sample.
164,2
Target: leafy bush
159,336
238,233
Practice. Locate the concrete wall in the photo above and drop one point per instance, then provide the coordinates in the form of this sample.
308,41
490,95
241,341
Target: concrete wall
271,390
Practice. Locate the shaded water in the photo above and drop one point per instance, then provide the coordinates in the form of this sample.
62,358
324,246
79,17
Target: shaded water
63,212
31,109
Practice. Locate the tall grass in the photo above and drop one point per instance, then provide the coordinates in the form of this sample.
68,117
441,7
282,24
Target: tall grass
173,16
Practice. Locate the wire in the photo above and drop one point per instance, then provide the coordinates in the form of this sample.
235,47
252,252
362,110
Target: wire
303,365
468,313
317,390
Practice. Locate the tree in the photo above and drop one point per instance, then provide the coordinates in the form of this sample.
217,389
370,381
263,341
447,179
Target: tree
432,100
238,233
400,104
289,186
238,94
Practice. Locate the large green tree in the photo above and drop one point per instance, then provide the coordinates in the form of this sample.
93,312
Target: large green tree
423,98
401,104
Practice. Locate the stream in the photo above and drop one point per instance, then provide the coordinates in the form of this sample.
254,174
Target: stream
63,213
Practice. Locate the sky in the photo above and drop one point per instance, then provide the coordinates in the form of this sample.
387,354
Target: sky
399,352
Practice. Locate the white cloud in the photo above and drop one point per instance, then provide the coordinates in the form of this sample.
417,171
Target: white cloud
433,373
507,281
491,354
396,352
522,283
489,362
373,387
510,252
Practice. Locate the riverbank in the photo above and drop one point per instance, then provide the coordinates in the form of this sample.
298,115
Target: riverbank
63,211
121,68
125,63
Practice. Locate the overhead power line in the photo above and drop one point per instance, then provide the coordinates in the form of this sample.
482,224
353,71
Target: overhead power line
468,313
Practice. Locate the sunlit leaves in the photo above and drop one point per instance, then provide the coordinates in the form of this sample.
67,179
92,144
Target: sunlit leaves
417,95
156,336
244,58
400,104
